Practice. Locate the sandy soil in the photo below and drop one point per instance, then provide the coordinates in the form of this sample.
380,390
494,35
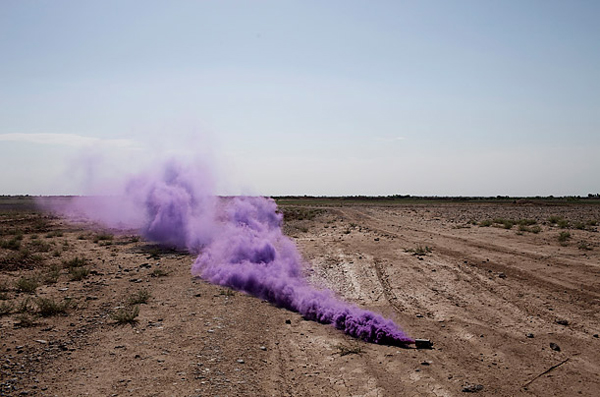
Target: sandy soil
510,311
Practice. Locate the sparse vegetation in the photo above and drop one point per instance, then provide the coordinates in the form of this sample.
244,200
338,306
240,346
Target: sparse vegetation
300,213
344,350
75,262
54,234
39,246
25,320
6,308
51,276
553,220
12,244
154,252
24,307
126,315
227,292
563,223
26,284
140,297
79,273
563,237
158,273
420,250
49,307
103,237
584,246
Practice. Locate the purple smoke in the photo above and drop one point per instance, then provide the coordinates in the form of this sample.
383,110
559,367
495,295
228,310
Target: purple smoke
240,245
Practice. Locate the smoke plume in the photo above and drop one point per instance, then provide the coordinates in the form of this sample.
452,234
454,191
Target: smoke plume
239,243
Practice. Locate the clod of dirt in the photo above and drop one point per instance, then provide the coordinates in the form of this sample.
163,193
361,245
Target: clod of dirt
472,389
554,347
562,322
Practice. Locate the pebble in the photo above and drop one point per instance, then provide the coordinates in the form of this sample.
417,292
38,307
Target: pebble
263,348
240,361
472,389
530,335
554,347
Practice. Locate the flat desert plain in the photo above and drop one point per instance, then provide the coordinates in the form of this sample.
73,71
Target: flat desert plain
508,293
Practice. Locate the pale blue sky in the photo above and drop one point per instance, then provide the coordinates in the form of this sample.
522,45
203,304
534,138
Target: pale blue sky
304,97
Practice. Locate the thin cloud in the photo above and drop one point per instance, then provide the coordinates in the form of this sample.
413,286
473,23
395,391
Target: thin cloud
395,139
71,140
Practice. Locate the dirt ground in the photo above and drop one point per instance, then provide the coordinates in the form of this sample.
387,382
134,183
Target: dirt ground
510,308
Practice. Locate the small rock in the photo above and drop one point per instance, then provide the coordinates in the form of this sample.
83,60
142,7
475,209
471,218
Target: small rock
240,361
595,335
502,275
562,322
288,321
530,335
376,238
426,363
554,347
419,316
472,389
43,342
263,348
198,295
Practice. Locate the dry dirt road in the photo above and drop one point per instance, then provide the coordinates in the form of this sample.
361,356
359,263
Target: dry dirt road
511,311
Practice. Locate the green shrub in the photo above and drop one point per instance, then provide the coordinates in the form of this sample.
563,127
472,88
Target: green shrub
26,284
39,246
139,297
24,307
584,246
75,262
103,237
25,320
564,237
54,234
126,315
12,244
159,273
49,307
51,276
344,350
6,308
553,220
563,223
527,222
79,273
